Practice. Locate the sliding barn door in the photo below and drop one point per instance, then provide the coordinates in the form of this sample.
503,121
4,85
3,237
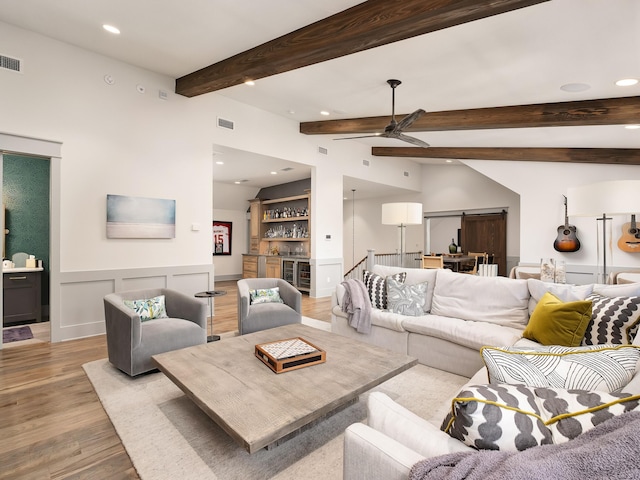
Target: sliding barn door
486,233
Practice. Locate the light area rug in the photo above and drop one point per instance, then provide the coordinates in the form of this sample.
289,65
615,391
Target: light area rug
168,437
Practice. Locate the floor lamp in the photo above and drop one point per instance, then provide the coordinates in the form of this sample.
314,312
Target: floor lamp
618,197
402,214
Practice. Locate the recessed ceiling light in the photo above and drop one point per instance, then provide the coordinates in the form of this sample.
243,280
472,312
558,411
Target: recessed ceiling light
111,29
324,112
274,173
448,160
575,87
627,82
632,127
251,83
219,162
237,182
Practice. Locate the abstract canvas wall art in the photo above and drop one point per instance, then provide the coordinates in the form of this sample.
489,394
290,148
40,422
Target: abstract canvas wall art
139,217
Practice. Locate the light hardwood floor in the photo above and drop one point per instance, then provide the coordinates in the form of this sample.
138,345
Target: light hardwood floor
52,424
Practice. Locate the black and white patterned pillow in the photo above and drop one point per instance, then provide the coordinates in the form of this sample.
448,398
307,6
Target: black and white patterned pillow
406,299
517,417
568,413
606,368
497,417
377,287
614,320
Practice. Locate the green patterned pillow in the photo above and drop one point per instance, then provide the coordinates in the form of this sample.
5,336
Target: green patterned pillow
148,308
606,368
265,295
406,299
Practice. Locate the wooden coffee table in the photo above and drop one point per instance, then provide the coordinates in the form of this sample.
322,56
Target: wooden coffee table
259,408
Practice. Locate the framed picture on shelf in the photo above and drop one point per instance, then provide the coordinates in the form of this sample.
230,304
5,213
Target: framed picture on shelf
222,238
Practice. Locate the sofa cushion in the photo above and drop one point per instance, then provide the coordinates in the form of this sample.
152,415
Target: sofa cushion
470,334
600,367
406,299
566,293
554,322
614,320
624,290
516,417
377,287
414,276
498,300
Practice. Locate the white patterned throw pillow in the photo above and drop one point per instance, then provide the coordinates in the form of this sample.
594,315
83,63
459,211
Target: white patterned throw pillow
606,368
377,287
614,320
265,295
148,308
406,299
516,417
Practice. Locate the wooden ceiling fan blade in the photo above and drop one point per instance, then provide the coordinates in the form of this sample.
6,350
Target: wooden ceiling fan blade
361,136
411,140
409,119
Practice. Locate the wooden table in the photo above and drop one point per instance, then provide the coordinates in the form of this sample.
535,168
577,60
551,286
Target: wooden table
454,262
259,408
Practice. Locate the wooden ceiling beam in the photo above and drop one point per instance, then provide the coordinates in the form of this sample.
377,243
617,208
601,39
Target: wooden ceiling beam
370,24
608,111
618,156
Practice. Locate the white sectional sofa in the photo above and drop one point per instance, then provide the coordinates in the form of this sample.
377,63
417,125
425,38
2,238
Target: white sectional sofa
465,313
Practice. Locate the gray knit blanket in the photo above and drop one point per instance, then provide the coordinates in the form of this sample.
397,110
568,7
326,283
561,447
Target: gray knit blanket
611,450
357,305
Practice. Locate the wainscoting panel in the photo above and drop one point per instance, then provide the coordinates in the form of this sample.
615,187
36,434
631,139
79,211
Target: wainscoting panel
81,303
139,283
77,308
326,275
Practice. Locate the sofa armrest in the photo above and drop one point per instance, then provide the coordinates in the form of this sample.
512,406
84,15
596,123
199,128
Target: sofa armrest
290,295
404,426
369,454
121,322
180,305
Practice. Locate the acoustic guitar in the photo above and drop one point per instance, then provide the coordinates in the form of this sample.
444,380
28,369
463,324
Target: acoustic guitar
567,240
630,239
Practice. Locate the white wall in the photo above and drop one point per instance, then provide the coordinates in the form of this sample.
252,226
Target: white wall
444,188
230,203
541,187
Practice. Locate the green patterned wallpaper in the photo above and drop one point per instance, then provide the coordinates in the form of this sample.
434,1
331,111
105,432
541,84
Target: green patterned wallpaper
25,194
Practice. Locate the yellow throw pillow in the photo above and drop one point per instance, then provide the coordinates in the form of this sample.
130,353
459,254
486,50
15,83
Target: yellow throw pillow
554,322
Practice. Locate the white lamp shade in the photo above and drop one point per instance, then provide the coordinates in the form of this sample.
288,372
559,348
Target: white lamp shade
402,213
618,197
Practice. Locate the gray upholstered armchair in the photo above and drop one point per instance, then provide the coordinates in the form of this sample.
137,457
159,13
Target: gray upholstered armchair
261,316
131,343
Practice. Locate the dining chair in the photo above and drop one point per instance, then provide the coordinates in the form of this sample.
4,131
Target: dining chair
432,261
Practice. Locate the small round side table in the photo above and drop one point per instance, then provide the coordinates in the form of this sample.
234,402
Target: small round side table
209,294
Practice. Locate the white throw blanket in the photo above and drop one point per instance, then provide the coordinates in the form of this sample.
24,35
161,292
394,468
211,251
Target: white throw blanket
357,305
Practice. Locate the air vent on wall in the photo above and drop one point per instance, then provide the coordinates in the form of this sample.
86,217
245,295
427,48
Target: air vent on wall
323,150
406,174
222,123
365,163
9,63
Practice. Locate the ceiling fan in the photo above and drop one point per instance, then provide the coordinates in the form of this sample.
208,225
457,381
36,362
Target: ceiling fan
394,129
